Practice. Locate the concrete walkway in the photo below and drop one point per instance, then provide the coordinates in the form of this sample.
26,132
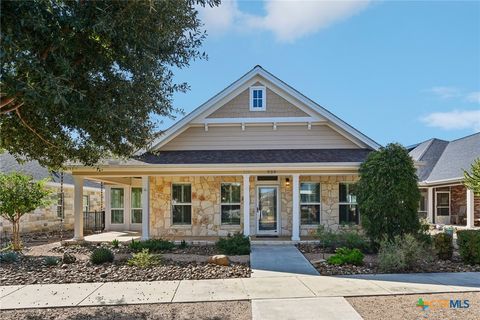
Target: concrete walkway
300,286
279,261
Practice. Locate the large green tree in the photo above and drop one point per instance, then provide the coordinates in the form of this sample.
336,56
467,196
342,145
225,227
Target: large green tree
388,194
472,179
84,79
19,195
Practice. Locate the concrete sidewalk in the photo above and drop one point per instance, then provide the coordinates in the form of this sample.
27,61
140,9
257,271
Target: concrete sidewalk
116,293
279,261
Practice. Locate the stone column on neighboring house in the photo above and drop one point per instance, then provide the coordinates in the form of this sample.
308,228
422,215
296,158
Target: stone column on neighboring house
78,207
246,204
470,209
145,207
430,205
295,207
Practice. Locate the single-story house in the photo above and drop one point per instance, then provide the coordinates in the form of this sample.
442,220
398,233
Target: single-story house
50,218
258,158
445,200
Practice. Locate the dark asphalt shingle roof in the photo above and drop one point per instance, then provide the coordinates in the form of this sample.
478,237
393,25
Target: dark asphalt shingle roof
8,164
443,160
255,156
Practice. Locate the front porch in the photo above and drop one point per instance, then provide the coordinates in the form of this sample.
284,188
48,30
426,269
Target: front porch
200,207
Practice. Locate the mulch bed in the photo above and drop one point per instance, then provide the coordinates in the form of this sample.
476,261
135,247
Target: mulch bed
370,265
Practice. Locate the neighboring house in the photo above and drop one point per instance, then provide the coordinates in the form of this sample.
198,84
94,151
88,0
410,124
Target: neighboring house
445,200
259,158
49,218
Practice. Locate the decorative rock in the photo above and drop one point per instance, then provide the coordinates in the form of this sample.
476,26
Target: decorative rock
221,260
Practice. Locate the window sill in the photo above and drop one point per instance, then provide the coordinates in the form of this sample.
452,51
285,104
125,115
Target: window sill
230,226
309,226
181,226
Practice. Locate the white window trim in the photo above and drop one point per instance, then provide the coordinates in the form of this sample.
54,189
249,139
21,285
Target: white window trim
230,203
264,98
311,203
113,208
174,203
442,207
86,204
133,208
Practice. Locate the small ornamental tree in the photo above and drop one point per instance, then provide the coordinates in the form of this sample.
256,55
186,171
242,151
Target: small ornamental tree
388,195
472,180
20,194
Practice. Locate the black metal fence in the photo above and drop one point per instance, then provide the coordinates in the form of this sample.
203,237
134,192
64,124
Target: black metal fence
94,221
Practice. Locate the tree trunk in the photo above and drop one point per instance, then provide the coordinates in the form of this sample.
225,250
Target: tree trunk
17,244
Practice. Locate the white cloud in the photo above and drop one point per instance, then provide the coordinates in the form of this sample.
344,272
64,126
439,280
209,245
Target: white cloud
288,20
473,97
457,119
445,92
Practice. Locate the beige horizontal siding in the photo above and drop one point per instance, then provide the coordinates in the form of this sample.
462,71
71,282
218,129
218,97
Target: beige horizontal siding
259,137
239,107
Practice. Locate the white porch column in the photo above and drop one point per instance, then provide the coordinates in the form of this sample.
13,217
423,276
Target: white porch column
296,207
78,207
470,206
246,204
145,207
430,205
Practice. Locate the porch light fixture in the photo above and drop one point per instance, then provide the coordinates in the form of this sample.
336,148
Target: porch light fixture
287,182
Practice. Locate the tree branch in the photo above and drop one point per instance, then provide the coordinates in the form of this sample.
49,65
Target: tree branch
33,130
15,107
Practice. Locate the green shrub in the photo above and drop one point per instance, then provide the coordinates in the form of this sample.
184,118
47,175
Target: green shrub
403,253
153,245
8,257
50,261
469,245
183,245
144,259
115,243
443,245
237,244
346,256
101,255
344,238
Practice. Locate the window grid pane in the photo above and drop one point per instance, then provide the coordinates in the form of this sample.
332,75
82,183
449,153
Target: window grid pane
117,216
310,214
181,204
310,203
231,214
116,200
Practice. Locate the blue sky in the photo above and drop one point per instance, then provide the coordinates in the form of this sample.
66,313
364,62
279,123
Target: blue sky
402,71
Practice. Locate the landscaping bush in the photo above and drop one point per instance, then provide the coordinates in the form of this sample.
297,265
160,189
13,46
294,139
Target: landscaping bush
344,238
115,243
8,257
50,261
403,253
68,258
153,245
144,259
469,245
237,244
183,245
443,245
346,256
101,255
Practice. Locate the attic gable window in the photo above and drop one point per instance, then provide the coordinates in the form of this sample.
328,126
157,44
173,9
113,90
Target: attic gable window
258,99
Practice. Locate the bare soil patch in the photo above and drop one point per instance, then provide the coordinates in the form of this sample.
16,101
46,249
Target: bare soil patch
231,310
404,307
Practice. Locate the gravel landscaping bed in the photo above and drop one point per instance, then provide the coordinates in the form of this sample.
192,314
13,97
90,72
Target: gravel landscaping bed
228,310
316,256
400,307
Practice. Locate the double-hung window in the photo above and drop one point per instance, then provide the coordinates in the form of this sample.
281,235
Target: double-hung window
116,205
310,203
230,203
182,204
86,203
136,205
258,99
348,203
422,205
443,203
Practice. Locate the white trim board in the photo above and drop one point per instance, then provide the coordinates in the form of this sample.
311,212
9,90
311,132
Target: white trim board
241,84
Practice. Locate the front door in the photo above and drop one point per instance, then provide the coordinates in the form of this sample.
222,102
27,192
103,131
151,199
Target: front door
267,210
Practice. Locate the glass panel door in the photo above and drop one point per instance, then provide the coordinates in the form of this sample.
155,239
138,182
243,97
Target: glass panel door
267,209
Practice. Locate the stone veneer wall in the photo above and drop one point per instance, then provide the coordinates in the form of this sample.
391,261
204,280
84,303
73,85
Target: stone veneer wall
206,218
45,219
206,205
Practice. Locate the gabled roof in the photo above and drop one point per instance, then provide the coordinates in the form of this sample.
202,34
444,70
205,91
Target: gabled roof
442,161
259,71
9,164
